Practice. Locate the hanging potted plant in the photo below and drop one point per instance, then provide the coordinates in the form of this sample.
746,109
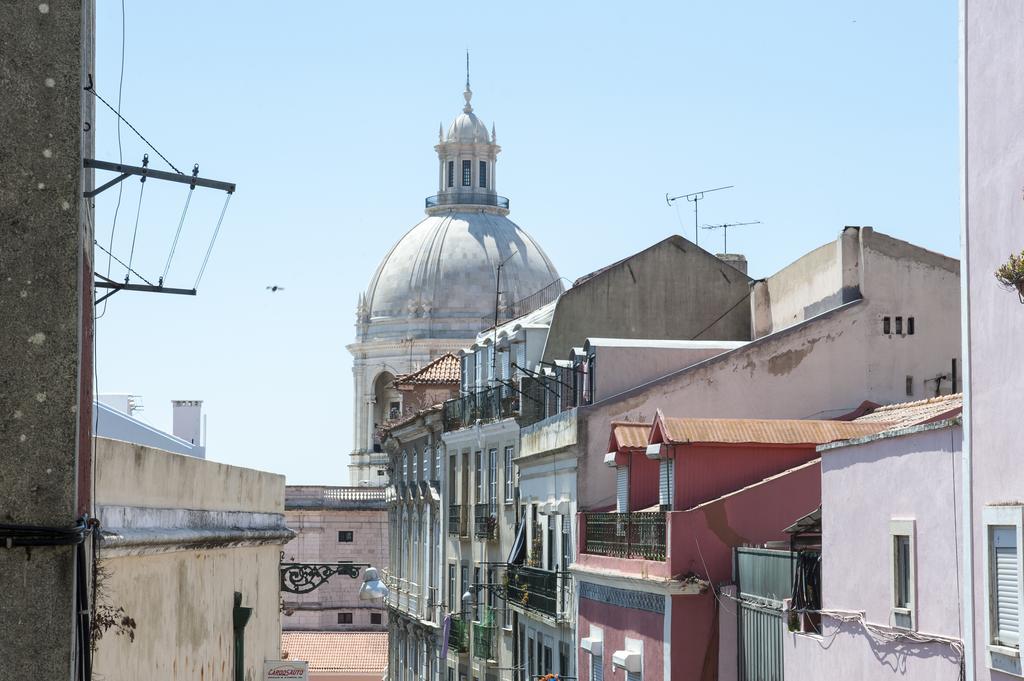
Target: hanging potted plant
1011,274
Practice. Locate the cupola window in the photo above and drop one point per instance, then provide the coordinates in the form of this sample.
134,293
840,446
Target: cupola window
467,172
451,173
483,174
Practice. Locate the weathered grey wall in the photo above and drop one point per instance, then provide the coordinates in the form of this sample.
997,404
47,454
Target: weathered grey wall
672,290
44,49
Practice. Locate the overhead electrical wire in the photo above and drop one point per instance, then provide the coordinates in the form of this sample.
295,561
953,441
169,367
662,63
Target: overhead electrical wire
213,240
91,88
120,157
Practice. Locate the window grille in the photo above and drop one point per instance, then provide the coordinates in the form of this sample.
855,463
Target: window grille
483,174
467,172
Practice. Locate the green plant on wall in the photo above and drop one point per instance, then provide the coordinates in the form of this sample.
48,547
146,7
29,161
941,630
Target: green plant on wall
1011,274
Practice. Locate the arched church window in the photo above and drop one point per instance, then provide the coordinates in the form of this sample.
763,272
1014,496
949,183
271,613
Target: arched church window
467,173
483,174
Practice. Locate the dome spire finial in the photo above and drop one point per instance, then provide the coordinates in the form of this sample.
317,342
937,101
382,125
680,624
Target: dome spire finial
468,94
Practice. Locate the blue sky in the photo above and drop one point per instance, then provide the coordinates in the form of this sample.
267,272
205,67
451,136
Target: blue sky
325,115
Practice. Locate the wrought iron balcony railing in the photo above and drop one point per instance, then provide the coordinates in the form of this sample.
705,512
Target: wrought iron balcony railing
490,404
455,520
458,635
539,590
466,198
485,521
626,535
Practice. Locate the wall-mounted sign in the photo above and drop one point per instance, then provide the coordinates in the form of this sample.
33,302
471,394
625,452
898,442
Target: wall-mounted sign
294,670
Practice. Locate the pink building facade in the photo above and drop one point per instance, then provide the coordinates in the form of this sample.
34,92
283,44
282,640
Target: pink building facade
879,493
646,574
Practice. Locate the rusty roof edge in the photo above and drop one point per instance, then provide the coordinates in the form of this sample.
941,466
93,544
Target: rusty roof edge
897,432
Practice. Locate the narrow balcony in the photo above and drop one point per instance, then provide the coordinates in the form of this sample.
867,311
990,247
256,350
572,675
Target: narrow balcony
485,522
490,404
626,535
458,635
542,591
455,520
485,636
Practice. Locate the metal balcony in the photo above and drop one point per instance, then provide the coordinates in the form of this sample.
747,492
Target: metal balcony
490,404
485,522
541,591
455,520
626,535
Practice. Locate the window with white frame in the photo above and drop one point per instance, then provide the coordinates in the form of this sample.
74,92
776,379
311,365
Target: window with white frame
622,489
438,453
630,659
405,466
904,600
1002,550
492,476
479,472
510,479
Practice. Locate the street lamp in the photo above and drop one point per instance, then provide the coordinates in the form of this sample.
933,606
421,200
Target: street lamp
301,578
373,588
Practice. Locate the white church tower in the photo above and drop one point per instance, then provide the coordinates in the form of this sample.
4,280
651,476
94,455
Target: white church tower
435,288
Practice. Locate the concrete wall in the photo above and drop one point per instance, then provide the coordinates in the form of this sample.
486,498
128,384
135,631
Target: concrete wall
316,541
809,286
624,367
46,312
180,537
863,487
672,290
820,368
994,166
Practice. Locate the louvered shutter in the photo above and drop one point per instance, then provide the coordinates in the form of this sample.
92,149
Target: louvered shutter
666,476
622,489
632,676
1006,576
596,670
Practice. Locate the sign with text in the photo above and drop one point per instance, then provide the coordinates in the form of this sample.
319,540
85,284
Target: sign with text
294,670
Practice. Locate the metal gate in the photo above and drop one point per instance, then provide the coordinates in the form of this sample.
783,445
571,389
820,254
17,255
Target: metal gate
760,643
764,578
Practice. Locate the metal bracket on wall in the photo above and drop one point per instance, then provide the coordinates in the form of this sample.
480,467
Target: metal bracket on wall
116,286
301,578
127,171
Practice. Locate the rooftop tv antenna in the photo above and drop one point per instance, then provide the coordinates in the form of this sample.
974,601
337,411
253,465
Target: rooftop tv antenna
725,231
694,198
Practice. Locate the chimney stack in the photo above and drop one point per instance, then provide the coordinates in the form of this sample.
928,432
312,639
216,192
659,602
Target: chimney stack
737,260
188,420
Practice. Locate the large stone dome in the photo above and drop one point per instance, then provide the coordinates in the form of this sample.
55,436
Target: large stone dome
438,281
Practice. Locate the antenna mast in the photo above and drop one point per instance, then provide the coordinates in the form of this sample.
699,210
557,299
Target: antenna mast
694,198
725,231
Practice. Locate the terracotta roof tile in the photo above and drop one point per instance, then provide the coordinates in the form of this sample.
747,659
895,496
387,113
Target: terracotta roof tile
631,434
338,651
764,431
445,369
906,414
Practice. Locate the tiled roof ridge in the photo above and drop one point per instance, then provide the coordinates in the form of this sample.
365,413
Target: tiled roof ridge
448,374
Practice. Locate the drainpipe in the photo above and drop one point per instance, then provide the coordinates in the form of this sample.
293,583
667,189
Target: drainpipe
966,477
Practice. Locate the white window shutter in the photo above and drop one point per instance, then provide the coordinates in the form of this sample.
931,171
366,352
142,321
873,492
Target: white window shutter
666,482
1006,573
622,489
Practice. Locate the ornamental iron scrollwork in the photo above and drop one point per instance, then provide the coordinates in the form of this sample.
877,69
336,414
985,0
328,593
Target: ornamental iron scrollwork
301,578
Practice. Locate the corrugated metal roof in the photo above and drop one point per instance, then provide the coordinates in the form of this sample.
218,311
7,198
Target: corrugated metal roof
764,431
445,369
631,434
906,414
338,651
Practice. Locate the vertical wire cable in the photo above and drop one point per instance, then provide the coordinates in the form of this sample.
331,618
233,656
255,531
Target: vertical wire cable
213,240
138,211
120,159
177,234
